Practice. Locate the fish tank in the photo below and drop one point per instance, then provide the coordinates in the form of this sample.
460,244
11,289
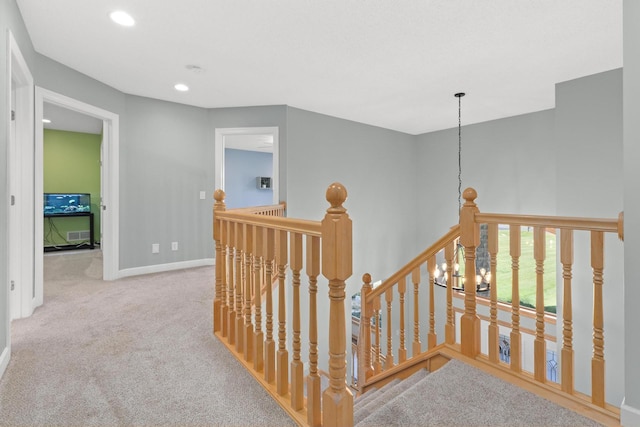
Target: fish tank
60,204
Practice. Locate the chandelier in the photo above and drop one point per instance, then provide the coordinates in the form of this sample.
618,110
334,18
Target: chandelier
440,274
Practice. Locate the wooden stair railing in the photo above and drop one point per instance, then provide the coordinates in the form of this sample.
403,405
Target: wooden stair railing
469,342
249,243
371,309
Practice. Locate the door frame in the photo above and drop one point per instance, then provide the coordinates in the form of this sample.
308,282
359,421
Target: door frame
220,135
21,148
110,149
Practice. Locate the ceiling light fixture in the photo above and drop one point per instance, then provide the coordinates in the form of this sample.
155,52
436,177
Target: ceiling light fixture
194,68
46,121
181,87
123,18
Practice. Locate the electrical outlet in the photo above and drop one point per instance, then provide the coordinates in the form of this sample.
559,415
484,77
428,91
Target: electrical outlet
155,248
203,195
174,246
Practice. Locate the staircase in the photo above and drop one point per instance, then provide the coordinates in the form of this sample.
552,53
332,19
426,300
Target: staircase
459,394
468,383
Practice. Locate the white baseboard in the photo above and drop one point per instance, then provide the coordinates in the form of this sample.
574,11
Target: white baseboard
4,360
629,416
159,268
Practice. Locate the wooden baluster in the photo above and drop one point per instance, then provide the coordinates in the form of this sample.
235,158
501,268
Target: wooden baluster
566,257
297,367
282,358
312,267
365,367
258,335
515,338
450,327
218,206
417,345
249,258
239,275
431,337
469,238
377,350
539,345
402,289
224,303
231,313
388,297
597,361
337,402
494,332
269,344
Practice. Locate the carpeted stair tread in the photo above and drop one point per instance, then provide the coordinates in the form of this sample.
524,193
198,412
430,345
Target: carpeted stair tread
372,394
399,387
362,396
458,394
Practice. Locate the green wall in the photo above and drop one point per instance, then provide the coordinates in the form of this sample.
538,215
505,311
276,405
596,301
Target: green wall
71,165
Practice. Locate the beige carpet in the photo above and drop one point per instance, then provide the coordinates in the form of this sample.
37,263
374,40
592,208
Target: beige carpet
137,351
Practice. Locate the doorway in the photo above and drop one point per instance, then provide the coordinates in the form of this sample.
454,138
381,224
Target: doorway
256,136
109,203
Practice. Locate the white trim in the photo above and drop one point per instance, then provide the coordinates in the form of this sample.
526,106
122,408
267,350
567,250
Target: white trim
4,360
110,242
629,416
21,182
219,154
160,268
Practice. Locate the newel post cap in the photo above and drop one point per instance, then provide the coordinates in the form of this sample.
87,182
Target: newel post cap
219,195
470,195
336,196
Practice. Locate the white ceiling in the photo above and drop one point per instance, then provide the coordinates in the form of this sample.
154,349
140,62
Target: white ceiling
394,64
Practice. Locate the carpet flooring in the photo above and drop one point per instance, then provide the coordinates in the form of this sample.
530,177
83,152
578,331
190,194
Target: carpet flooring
133,352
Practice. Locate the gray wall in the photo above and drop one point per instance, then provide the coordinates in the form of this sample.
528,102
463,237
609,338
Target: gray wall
631,411
507,161
376,166
165,163
589,168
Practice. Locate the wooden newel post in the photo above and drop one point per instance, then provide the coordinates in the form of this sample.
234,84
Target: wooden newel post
219,206
337,400
469,238
365,367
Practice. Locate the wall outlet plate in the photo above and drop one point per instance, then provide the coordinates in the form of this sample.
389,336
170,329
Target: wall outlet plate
174,246
155,248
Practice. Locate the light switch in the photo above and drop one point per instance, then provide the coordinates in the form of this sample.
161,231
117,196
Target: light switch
203,195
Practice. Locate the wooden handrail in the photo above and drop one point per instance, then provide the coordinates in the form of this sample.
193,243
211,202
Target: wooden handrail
311,228
392,280
573,223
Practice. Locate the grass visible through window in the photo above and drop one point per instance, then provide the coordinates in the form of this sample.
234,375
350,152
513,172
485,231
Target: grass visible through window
527,270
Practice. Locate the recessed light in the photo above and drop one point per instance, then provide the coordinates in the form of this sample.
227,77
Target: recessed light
46,121
181,87
122,18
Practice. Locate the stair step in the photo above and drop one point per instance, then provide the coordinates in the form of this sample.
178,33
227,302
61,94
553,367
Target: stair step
366,408
459,394
373,393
